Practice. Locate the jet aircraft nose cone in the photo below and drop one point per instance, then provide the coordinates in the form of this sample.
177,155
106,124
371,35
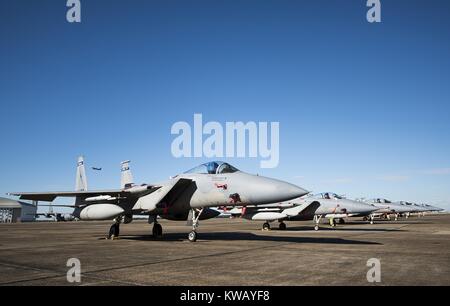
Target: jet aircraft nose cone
293,191
259,190
363,208
279,191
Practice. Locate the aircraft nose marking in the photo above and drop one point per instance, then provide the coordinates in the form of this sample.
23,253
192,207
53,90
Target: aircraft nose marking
221,186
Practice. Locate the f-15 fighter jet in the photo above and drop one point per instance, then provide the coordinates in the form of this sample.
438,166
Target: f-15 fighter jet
187,196
323,205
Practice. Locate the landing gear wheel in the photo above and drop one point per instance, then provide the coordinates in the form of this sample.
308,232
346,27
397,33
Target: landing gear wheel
266,226
192,237
341,221
282,226
317,219
157,230
114,231
194,216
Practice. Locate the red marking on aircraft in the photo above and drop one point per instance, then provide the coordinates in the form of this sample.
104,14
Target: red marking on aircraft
223,186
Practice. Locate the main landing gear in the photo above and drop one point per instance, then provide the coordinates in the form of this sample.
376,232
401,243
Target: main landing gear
157,228
195,215
282,226
114,230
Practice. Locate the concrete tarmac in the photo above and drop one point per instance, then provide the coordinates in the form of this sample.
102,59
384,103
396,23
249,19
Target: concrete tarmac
229,252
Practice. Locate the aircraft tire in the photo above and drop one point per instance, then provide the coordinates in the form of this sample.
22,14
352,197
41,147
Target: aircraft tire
157,230
192,237
266,226
282,226
114,231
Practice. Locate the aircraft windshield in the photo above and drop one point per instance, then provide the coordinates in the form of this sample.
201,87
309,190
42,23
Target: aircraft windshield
330,195
382,201
215,167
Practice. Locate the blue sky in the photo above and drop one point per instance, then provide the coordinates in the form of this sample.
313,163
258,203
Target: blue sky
363,108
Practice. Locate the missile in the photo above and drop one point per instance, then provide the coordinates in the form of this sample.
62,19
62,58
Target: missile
138,189
100,198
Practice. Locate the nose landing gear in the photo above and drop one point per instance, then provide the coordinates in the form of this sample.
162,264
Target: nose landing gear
317,219
193,218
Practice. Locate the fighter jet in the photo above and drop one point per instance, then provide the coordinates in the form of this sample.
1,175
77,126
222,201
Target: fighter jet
57,216
323,205
187,196
401,208
386,208
420,209
430,208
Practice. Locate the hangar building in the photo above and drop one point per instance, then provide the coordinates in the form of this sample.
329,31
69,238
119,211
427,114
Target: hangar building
12,211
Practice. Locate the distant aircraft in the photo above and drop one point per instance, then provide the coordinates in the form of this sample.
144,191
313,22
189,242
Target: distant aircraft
420,209
96,168
386,208
187,196
58,216
430,208
323,205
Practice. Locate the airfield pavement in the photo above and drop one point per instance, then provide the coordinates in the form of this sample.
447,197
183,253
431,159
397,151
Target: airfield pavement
229,252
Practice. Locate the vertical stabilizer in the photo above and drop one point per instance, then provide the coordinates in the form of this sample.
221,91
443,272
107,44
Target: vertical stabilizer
81,180
126,178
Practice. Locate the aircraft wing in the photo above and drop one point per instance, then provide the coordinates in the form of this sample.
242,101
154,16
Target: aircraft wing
50,196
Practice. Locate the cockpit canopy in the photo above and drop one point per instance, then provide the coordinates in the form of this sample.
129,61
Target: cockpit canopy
405,203
381,201
329,196
215,167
